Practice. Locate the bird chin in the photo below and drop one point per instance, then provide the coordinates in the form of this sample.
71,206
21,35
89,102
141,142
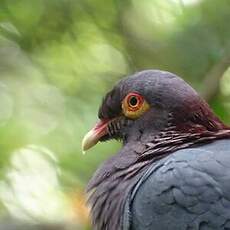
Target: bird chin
108,137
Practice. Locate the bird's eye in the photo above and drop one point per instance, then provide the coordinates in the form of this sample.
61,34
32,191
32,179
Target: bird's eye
134,105
133,101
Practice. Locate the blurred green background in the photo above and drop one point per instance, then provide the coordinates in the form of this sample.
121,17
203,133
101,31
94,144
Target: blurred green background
58,59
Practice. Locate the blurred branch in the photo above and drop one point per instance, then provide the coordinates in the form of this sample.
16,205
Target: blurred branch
212,79
127,38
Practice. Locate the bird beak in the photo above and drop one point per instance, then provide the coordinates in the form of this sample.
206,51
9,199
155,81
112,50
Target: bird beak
94,135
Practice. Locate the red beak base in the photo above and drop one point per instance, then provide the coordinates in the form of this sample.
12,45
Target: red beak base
94,135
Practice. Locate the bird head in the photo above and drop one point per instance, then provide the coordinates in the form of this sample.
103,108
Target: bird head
148,103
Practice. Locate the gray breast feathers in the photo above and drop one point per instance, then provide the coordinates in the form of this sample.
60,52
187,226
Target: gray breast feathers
188,190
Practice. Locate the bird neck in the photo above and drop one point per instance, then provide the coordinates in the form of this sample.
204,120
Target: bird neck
169,141
114,180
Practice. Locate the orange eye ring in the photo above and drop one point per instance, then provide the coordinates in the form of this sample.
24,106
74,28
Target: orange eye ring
134,105
134,101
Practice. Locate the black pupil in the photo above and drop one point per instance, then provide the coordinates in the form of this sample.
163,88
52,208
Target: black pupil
133,101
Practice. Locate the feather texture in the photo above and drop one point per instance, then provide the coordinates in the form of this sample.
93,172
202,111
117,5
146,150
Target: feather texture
178,121
189,189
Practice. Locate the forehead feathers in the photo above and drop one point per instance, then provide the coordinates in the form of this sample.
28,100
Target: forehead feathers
159,88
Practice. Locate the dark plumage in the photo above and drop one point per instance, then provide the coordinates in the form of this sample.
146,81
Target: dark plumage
172,172
189,189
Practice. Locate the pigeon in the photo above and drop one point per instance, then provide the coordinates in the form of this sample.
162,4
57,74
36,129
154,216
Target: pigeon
173,169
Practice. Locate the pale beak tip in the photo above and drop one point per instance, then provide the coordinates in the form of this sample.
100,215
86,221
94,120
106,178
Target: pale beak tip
93,136
88,141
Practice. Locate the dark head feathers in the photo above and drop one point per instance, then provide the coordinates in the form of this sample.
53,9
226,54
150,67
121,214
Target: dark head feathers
160,88
164,91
